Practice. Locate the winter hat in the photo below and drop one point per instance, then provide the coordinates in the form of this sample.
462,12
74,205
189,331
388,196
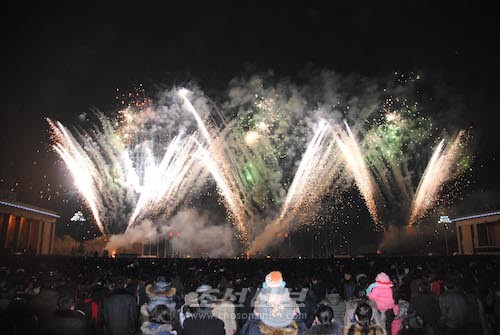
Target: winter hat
274,279
276,309
205,298
383,280
191,299
203,288
161,286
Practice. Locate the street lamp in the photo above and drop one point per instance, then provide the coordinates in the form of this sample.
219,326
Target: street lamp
78,217
445,220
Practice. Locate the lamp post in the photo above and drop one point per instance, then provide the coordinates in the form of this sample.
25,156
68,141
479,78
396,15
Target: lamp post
445,220
78,217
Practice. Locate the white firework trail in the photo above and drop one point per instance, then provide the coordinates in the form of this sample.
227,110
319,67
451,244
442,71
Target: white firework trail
199,121
356,165
162,182
440,169
317,171
104,173
311,169
218,162
80,166
230,195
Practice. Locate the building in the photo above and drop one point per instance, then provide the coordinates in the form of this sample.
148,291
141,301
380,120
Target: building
26,228
478,234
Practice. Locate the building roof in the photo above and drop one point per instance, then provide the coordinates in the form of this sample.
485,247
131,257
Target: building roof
29,208
476,216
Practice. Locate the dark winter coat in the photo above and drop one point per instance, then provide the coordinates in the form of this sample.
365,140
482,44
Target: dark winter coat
427,306
65,322
335,301
120,313
332,329
203,324
453,305
44,304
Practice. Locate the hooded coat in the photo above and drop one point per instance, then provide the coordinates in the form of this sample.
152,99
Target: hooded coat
359,330
254,326
65,322
335,301
332,329
152,328
383,297
156,298
292,329
453,306
351,308
119,312
203,324
44,304
225,311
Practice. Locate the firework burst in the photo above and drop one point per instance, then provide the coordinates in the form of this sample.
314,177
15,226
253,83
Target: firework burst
442,167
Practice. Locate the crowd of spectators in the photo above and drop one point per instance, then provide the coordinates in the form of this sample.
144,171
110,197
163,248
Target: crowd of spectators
108,296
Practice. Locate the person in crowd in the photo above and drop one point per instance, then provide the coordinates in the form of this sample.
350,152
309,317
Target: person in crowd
319,288
324,322
413,324
113,310
66,319
453,306
90,305
160,292
335,301
44,304
189,307
382,295
425,304
275,313
225,310
18,318
364,323
245,307
361,282
160,322
119,310
351,306
348,286
202,322
400,311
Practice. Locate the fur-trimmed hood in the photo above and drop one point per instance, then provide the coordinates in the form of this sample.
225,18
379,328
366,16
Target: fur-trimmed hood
358,330
152,293
151,328
292,329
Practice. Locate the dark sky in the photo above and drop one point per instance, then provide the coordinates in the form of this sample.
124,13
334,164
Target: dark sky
60,58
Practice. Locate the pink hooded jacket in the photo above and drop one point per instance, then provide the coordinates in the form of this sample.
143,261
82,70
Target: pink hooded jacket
382,293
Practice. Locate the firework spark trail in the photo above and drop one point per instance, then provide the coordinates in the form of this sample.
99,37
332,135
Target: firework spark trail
219,162
356,165
439,170
318,149
80,166
231,197
106,175
158,180
318,169
201,125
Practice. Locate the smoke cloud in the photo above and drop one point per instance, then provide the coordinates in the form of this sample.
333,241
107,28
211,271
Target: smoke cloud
199,236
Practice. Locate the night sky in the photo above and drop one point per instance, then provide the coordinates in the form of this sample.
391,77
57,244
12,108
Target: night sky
60,59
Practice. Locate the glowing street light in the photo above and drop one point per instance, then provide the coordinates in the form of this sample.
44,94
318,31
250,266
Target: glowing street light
78,217
445,219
